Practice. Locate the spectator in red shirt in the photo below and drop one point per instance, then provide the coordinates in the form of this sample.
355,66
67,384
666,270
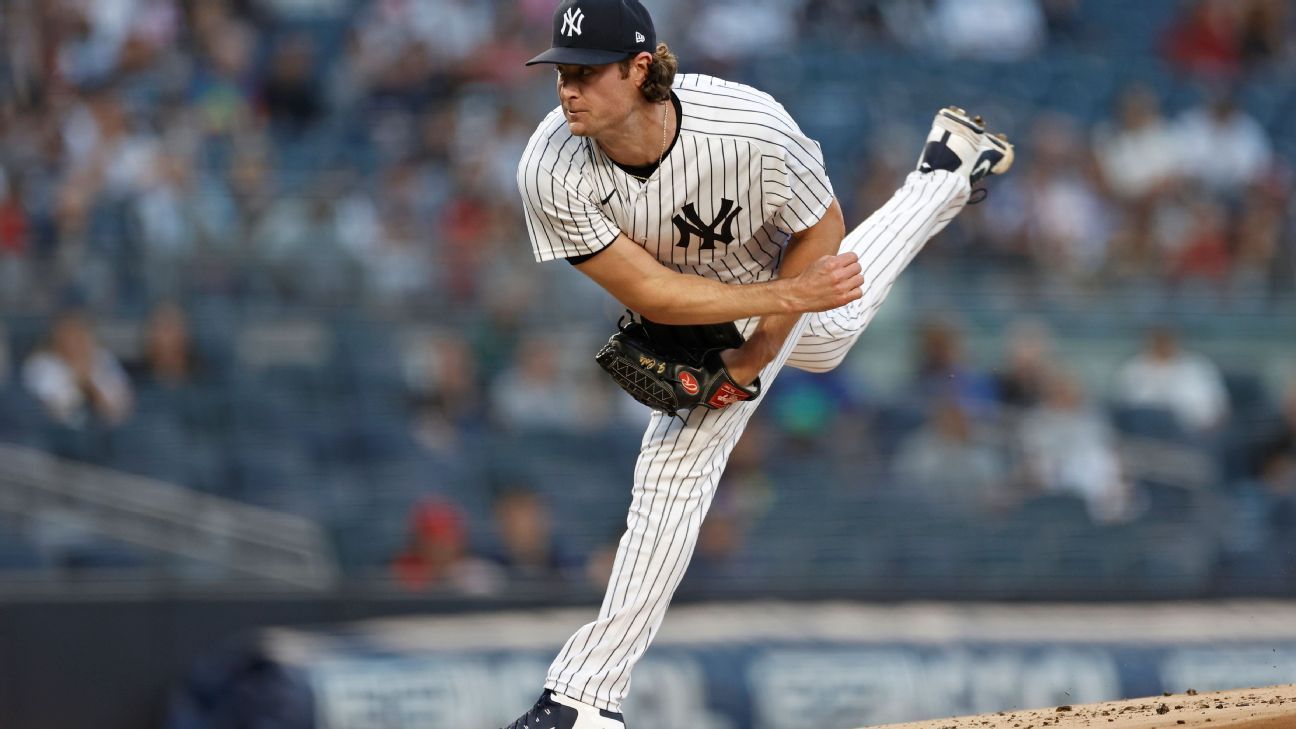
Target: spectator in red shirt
1205,42
437,556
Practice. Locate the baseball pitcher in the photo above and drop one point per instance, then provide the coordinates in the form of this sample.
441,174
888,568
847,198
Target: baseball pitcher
699,204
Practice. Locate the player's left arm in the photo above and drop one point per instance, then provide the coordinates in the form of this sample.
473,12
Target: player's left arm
821,239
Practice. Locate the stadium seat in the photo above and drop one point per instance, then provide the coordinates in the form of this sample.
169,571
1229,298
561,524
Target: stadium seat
1149,422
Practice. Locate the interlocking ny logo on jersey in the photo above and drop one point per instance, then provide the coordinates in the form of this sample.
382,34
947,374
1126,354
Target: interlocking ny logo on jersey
720,229
572,20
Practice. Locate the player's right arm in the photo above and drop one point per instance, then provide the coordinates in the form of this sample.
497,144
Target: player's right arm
564,221
631,274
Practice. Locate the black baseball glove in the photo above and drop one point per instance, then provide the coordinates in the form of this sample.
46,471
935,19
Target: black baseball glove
673,368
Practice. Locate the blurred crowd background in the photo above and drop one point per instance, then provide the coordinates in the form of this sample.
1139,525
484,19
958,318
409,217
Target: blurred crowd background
271,251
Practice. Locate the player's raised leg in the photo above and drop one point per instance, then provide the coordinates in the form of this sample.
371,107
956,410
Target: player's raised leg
957,154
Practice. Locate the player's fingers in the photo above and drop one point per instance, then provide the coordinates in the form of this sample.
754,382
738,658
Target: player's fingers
837,261
852,270
832,262
851,295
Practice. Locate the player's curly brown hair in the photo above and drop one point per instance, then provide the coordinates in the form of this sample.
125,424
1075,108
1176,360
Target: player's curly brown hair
661,74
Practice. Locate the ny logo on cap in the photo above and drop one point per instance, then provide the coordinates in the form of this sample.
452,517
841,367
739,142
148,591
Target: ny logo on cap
572,20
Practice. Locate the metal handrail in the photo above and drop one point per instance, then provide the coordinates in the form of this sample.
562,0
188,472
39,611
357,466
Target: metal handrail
247,540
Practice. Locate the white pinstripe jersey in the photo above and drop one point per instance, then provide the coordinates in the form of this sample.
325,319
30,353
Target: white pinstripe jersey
739,179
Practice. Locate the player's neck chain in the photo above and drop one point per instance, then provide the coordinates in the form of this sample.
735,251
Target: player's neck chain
661,155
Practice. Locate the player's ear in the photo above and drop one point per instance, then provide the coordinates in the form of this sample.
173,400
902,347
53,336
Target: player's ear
640,65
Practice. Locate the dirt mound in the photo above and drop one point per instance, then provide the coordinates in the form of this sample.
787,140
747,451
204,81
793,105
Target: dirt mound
1264,708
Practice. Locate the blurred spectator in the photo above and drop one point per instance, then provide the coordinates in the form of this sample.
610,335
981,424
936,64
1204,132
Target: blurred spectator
528,550
1063,20
994,30
843,23
75,377
289,93
436,556
96,32
1222,147
4,355
1067,223
1265,31
949,462
169,358
884,164
538,391
1068,447
106,149
298,240
221,89
1163,375
1274,458
1028,364
808,407
727,31
1137,152
942,374
398,269
1262,231
15,226
1204,41
444,380
166,212
15,234
744,498
1202,251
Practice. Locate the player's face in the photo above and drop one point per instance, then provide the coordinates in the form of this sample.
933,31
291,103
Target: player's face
594,98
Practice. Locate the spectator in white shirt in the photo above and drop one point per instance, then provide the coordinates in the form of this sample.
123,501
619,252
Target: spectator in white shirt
992,30
75,377
1222,147
1136,151
1187,384
1068,447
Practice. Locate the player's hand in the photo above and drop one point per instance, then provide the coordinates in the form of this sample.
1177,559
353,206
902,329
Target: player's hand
828,283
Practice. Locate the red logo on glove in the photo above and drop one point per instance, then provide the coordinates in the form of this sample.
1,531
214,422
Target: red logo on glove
727,395
689,382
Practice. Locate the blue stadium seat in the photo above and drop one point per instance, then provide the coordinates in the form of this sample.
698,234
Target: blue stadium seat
22,417
1246,393
154,444
1170,503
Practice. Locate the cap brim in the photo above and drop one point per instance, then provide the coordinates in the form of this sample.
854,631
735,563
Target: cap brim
579,56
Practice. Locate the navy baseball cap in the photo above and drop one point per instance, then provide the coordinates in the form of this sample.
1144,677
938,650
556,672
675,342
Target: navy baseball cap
595,32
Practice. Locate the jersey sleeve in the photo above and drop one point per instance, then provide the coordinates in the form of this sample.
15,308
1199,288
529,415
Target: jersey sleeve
800,183
562,216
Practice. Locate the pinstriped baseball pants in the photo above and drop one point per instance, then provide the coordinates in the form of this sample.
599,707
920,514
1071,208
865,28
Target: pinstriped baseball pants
680,463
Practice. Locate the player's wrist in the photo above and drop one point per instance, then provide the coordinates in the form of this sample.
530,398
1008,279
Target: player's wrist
742,366
788,296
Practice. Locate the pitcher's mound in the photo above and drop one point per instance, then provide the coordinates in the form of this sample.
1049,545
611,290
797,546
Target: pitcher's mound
1266,708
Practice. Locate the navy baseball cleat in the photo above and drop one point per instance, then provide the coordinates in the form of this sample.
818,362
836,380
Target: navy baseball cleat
555,711
954,143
